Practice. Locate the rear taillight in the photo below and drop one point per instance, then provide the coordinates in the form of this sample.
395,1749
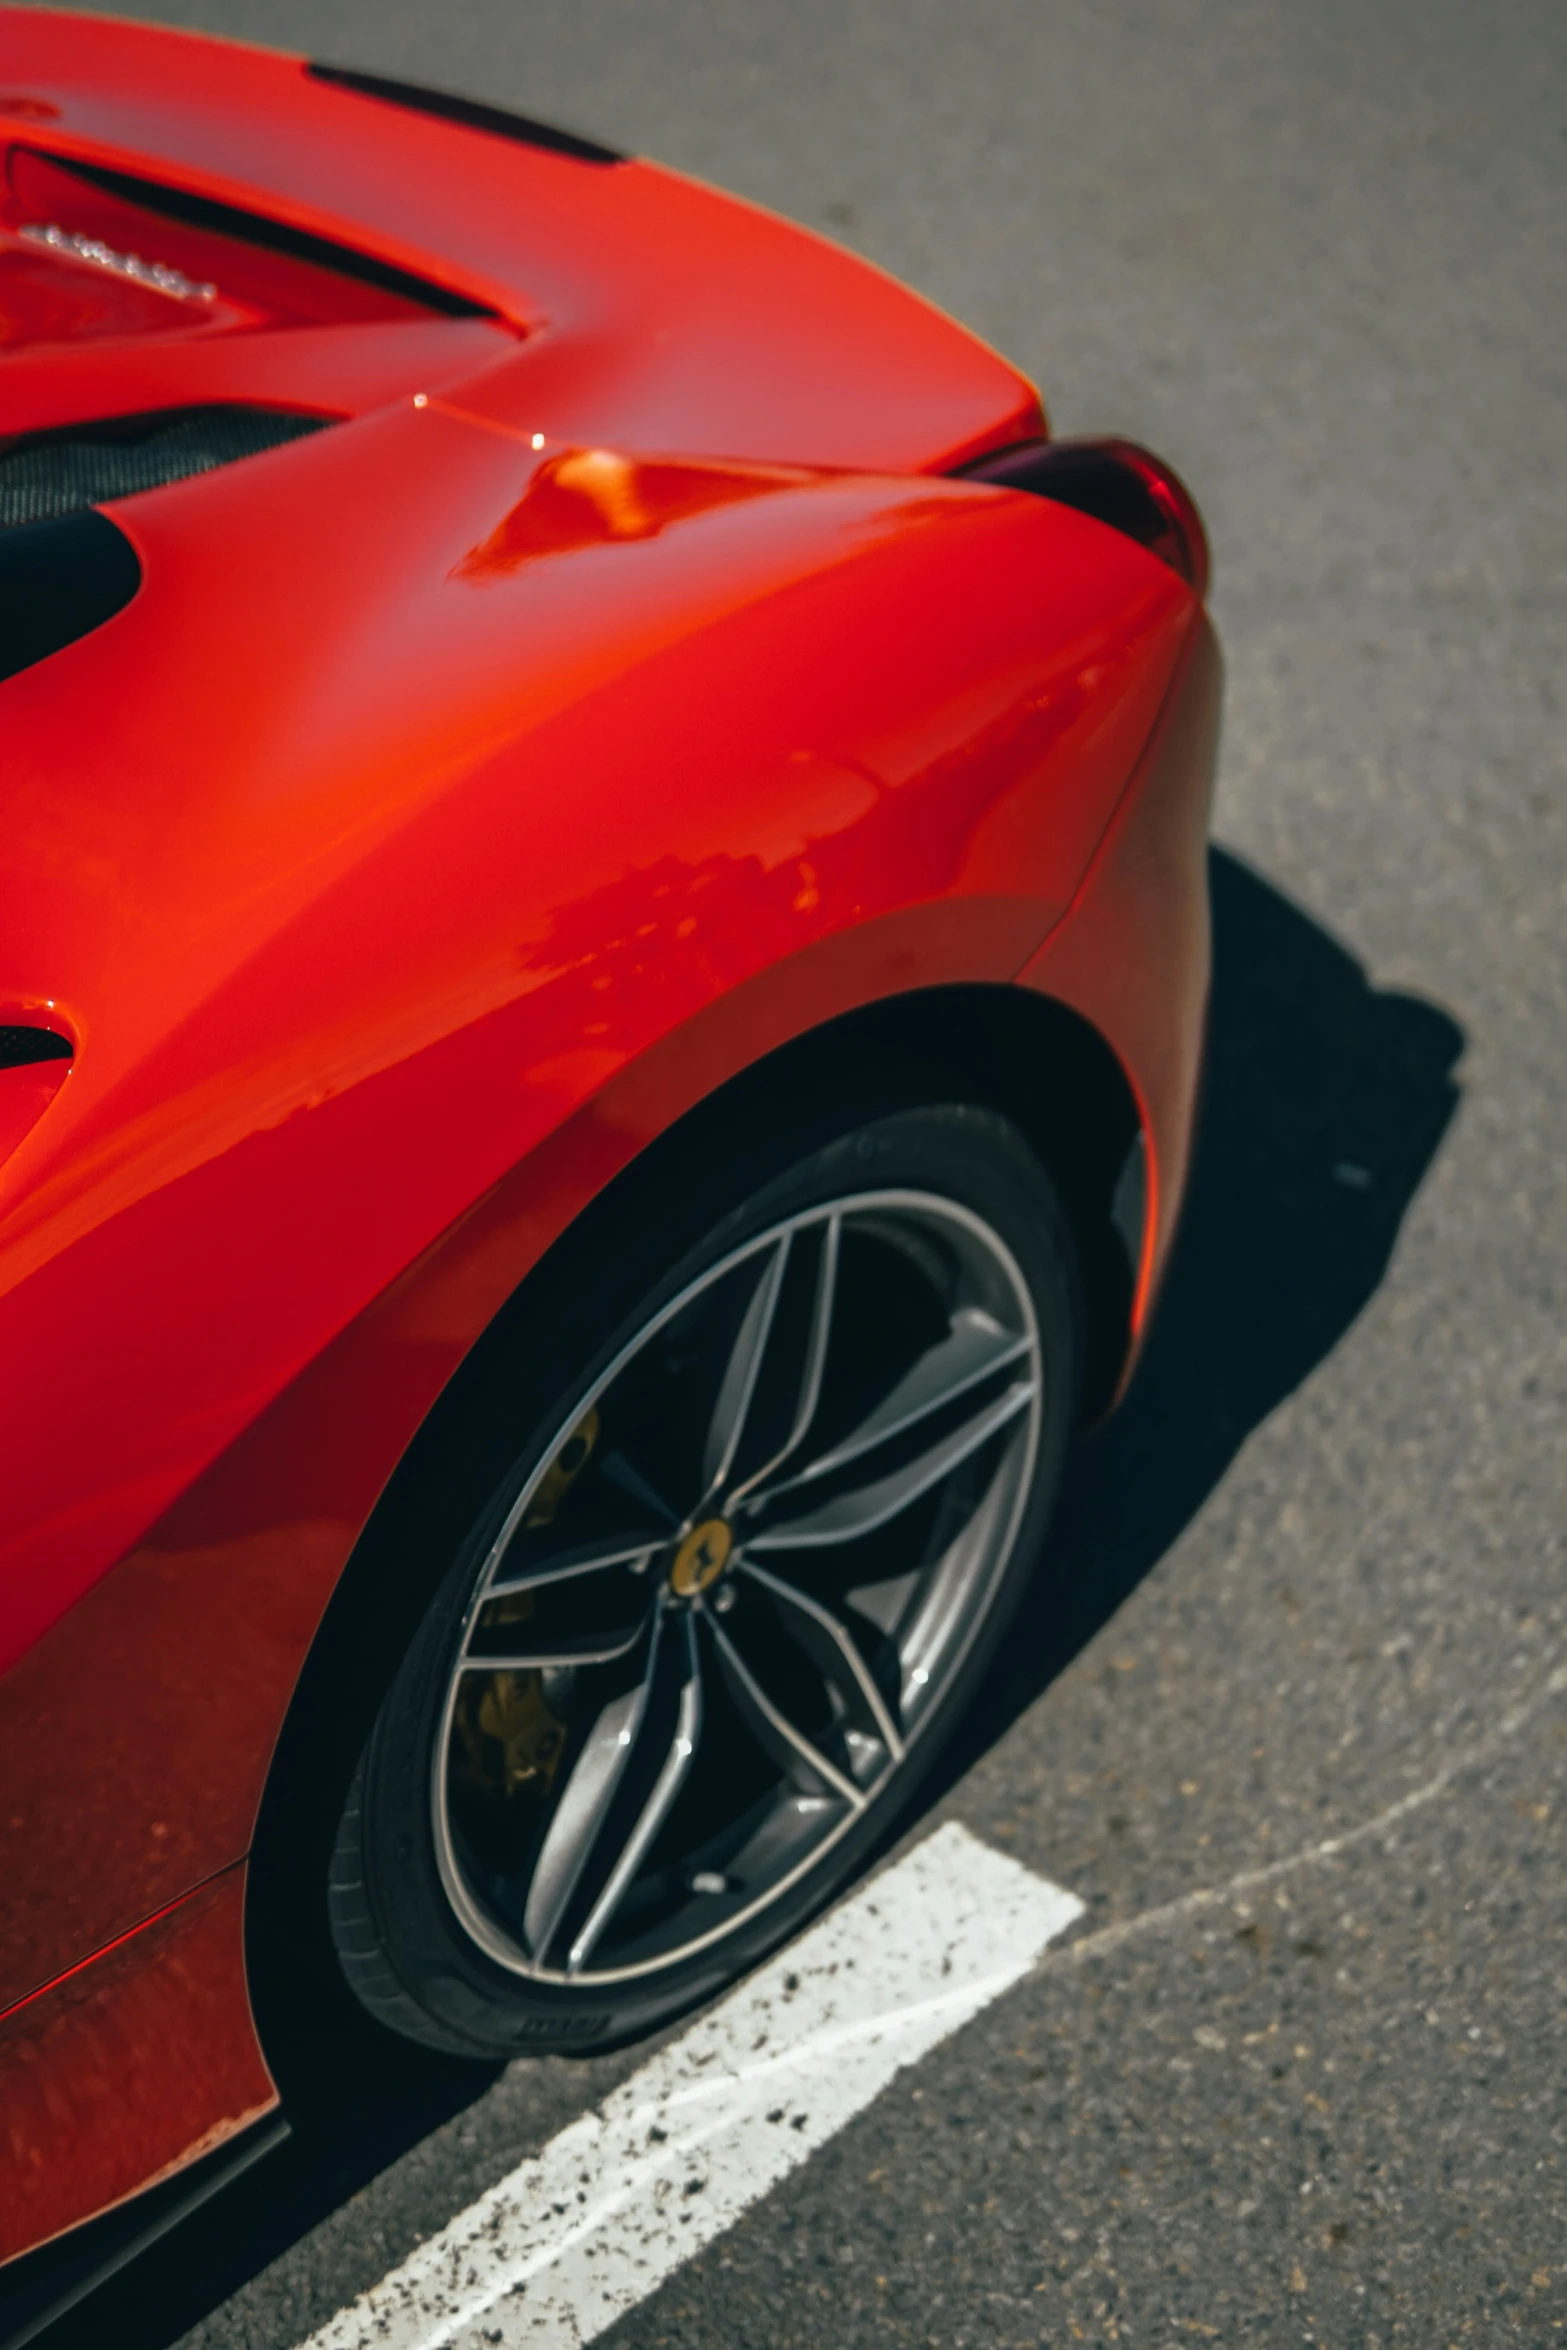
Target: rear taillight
1119,484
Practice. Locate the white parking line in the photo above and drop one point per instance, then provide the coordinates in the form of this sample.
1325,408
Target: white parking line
585,2230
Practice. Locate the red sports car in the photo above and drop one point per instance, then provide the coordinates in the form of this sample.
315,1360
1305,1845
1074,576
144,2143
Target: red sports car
603,945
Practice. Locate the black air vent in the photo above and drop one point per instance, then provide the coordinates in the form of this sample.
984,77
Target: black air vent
499,121
58,580
47,474
253,228
21,1047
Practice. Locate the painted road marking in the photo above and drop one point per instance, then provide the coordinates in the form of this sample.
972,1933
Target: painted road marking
582,2232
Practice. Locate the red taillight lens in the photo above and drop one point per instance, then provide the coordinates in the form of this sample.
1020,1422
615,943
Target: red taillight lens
1118,483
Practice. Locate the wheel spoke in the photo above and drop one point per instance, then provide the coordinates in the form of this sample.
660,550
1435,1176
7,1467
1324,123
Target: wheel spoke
671,1777
974,1350
794,1824
557,1652
742,1371
833,1649
775,1731
632,1549
579,1814
813,1363
849,1515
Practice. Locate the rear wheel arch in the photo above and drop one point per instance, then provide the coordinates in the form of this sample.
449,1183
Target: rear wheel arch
1048,1070
1005,1048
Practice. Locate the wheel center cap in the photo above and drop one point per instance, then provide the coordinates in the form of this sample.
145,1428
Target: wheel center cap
701,1557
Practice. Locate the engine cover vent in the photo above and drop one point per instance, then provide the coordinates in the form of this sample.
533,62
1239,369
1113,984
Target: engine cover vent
44,475
211,219
472,113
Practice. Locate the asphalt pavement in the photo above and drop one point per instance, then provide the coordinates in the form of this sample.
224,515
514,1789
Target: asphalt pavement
1290,1715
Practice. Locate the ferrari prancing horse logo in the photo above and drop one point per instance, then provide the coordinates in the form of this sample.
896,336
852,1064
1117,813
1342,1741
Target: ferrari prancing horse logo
700,1559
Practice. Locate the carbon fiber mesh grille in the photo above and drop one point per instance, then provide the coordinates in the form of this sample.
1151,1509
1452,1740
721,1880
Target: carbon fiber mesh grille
44,475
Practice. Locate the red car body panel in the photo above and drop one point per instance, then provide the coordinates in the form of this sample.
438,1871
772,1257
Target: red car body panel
609,697
128,2070
653,314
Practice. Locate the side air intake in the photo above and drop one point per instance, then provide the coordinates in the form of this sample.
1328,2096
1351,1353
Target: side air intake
21,1047
58,581
34,1063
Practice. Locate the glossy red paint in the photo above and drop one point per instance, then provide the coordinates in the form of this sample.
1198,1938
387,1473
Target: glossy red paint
442,844
652,313
471,789
1140,919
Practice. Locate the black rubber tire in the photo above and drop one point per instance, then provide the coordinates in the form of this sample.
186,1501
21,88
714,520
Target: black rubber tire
401,1947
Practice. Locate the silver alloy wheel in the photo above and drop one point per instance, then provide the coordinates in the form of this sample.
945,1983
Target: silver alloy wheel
735,1588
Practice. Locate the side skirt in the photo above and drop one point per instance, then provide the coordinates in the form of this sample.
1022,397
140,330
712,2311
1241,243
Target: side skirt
41,2286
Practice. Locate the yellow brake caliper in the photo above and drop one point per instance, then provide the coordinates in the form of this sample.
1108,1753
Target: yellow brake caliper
507,1741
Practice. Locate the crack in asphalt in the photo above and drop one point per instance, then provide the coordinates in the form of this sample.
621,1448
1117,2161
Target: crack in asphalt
1206,1897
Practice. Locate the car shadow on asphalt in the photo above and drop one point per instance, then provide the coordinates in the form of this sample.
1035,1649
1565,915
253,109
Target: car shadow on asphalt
1325,1102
